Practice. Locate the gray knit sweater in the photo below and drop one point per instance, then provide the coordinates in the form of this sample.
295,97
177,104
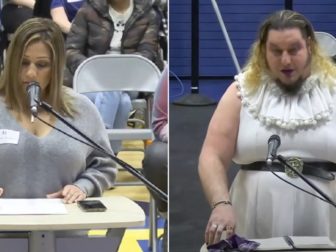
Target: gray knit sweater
37,166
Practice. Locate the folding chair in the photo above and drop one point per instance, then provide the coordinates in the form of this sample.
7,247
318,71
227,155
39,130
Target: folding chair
122,73
125,72
327,42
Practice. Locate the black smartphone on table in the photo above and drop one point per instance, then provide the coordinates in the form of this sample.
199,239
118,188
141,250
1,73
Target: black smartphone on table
91,206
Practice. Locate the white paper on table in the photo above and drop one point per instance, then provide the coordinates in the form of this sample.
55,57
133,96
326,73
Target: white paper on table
300,242
31,206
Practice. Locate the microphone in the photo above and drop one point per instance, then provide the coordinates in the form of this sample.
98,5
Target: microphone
273,145
33,92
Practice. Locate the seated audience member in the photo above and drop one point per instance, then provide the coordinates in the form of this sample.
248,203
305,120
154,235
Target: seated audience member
113,27
155,164
50,164
13,14
162,9
63,12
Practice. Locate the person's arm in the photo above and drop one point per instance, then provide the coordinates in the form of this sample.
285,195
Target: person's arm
214,161
76,42
59,16
160,118
100,171
28,3
149,44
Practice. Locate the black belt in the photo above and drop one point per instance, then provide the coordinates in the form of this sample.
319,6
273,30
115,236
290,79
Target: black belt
321,170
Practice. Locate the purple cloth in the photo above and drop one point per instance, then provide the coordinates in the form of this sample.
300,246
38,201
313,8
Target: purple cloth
234,243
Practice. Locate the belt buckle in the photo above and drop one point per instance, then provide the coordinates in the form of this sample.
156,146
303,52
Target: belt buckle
296,163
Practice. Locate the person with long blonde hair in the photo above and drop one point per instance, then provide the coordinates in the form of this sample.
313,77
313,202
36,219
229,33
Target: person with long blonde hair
287,88
38,160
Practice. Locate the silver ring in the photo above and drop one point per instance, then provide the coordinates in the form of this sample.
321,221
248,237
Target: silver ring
214,226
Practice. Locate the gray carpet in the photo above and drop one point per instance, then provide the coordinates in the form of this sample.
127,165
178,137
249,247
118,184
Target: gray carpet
189,210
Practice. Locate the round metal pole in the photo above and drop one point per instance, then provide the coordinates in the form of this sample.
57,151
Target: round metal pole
194,99
194,46
226,35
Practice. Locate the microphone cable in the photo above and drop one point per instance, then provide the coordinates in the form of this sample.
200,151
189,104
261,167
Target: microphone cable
97,147
297,187
273,144
68,134
324,197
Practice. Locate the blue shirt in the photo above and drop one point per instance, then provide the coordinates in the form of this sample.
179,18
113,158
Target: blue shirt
70,6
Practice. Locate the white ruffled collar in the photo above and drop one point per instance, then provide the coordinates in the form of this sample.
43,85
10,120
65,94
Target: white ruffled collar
272,107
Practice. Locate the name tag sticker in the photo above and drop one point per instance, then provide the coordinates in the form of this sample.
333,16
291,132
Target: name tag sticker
9,136
74,1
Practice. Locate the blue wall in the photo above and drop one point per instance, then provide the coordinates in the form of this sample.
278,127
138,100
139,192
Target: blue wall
242,19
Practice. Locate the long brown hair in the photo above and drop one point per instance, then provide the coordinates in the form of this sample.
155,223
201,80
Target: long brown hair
31,31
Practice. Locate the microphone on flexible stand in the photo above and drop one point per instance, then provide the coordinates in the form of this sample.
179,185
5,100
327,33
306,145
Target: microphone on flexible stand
33,94
273,145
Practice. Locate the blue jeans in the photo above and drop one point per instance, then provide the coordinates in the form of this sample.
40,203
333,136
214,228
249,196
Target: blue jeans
114,107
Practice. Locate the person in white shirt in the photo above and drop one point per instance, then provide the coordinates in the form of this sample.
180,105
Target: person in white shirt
286,88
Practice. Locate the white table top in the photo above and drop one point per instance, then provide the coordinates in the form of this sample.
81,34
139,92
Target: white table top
121,212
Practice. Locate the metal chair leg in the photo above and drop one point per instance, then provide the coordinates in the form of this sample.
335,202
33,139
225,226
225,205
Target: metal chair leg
152,225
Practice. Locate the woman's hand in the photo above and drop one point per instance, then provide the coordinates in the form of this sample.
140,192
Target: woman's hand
70,194
222,218
1,191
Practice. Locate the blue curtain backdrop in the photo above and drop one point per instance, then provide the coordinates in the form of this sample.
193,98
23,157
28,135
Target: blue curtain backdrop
241,18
